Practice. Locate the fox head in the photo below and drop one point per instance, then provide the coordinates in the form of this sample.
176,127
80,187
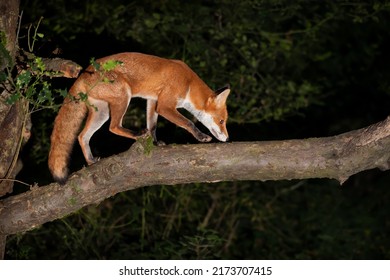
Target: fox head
214,115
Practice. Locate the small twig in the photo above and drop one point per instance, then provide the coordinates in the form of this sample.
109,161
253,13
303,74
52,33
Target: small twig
16,181
31,46
18,30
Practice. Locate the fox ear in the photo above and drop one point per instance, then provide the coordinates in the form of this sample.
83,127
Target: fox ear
220,90
220,99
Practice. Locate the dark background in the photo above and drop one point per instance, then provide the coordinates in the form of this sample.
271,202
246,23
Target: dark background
297,69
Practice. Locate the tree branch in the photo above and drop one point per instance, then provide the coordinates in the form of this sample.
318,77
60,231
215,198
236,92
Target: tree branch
65,68
336,157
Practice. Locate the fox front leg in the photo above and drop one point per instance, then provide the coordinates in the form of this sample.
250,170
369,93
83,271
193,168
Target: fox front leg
175,117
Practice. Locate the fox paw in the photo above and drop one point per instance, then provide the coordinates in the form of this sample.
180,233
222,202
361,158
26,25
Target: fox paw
93,160
204,138
159,143
142,133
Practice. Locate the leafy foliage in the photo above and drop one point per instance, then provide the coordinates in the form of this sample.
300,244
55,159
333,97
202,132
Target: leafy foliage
30,83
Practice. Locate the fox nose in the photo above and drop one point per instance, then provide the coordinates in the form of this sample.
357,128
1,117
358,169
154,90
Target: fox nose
227,139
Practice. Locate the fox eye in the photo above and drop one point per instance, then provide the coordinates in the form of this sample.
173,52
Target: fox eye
221,121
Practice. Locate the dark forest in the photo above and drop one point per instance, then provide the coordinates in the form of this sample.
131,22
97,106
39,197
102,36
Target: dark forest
297,69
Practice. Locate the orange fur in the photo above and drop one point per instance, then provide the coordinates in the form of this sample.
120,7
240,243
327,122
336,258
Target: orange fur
166,84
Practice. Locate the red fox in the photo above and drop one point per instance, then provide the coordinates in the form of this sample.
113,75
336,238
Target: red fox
166,84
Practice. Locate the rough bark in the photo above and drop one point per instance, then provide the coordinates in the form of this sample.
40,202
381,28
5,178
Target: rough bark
336,157
9,13
65,68
10,116
12,130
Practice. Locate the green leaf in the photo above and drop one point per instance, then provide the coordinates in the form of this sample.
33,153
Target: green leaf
45,94
111,64
3,76
23,79
12,99
62,92
39,65
107,80
83,96
95,64
30,92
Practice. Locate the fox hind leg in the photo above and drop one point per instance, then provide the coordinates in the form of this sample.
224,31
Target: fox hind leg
151,117
97,116
151,120
117,111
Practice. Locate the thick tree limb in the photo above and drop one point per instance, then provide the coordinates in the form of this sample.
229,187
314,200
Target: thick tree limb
11,117
65,68
9,12
142,165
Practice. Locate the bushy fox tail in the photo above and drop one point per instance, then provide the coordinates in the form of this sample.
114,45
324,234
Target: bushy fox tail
66,128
